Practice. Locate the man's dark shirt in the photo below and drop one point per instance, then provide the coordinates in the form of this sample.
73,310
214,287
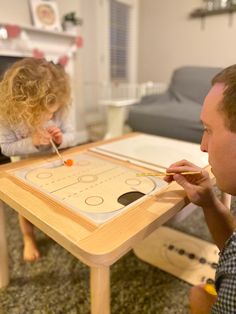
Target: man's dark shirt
226,279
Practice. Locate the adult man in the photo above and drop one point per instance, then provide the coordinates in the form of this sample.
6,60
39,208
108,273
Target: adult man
219,141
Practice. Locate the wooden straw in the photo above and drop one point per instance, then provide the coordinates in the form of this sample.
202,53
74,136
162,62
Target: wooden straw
163,174
57,151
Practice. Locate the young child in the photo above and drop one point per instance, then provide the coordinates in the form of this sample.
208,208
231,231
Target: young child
34,103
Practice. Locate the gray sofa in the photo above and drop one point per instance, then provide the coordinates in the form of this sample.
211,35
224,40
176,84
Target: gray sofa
176,112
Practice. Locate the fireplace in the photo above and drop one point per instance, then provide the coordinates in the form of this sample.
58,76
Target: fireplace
6,62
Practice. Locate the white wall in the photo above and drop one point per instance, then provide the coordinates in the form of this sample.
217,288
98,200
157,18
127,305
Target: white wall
90,53
91,58
168,38
96,53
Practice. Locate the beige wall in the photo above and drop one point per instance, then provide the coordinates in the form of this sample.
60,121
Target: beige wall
15,12
18,11
169,39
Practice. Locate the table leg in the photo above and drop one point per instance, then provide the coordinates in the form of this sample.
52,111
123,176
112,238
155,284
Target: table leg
226,199
100,290
115,121
4,272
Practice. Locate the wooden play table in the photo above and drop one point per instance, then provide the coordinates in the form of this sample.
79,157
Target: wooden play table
98,246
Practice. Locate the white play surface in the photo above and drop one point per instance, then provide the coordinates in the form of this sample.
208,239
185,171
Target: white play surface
92,186
153,152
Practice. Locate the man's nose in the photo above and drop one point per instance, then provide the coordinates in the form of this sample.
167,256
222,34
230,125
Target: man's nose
204,143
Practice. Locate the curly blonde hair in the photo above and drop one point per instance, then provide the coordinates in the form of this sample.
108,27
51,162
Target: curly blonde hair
29,88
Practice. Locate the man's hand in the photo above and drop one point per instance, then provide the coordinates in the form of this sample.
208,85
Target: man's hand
201,301
198,187
55,134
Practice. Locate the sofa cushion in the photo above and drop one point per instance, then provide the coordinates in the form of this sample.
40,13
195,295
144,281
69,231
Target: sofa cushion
192,82
161,99
175,120
175,113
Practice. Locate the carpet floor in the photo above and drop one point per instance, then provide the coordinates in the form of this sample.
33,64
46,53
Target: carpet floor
59,284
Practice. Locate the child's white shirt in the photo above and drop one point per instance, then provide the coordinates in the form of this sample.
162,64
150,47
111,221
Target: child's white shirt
18,142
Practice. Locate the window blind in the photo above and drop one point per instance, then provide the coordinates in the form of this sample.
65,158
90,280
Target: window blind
119,40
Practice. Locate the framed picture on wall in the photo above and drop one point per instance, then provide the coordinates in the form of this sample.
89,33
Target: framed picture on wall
45,14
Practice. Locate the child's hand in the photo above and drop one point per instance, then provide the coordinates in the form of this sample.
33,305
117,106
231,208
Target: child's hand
41,138
55,134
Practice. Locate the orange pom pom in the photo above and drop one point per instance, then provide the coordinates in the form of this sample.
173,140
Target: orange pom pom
69,162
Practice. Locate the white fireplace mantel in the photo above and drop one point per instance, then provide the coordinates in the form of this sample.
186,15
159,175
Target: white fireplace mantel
54,45
51,42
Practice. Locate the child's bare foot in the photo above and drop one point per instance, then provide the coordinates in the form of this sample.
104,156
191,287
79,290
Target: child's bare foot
31,252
